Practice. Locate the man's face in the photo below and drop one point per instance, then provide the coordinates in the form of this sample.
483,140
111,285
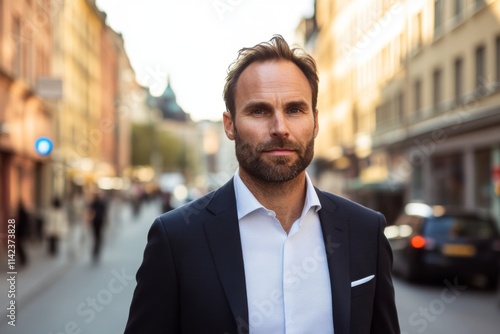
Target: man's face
274,126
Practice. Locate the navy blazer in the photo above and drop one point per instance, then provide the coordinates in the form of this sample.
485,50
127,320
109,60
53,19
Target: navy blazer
192,278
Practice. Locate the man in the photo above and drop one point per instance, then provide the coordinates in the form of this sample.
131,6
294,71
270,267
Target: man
22,229
98,210
267,252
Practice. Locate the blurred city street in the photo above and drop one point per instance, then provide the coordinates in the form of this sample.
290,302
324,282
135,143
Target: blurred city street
80,295
446,307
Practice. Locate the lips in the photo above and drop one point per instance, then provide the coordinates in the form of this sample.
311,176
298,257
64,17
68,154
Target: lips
277,147
280,149
279,152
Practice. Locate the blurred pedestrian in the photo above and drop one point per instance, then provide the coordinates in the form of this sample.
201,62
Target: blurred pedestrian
22,226
97,218
76,214
38,223
137,191
55,226
166,201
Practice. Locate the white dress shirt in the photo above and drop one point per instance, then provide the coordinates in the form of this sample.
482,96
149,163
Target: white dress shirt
287,278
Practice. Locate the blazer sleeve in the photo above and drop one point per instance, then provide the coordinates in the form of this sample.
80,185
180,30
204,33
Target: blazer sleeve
385,318
154,307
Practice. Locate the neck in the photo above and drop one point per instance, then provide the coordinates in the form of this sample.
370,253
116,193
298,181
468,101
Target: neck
286,199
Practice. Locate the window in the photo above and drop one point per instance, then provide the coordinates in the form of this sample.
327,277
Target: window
455,226
416,40
458,67
380,116
24,58
16,39
1,27
27,66
418,96
40,63
402,48
497,59
401,107
385,62
478,4
480,68
386,114
377,116
355,119
419,29
436,89
458,10
417,184
483,179
448,174
438,17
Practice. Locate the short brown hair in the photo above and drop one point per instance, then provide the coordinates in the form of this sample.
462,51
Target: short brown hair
276,49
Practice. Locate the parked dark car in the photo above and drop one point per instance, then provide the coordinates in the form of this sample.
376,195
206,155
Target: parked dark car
438,241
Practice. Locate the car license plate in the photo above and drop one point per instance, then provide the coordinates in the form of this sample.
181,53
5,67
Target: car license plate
459,250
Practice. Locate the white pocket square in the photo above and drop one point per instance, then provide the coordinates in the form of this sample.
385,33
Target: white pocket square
361,281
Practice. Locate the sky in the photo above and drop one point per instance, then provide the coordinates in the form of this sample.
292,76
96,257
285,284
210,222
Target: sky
192,42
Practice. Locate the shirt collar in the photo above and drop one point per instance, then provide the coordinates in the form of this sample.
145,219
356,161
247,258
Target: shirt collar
247,203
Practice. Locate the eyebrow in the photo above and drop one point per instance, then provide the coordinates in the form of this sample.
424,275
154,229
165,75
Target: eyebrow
256,105
297,104
266,105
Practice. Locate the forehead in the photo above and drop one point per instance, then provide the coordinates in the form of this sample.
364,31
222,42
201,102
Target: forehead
272,79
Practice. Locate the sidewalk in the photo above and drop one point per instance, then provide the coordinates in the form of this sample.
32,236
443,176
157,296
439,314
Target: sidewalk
43,270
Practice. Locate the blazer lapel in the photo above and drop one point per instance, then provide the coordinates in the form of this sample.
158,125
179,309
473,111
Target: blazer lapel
223,237
335,229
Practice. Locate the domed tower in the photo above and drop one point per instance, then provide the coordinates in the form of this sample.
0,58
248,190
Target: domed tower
167,103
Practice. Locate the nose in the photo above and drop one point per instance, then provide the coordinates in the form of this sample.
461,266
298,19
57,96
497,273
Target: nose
279,127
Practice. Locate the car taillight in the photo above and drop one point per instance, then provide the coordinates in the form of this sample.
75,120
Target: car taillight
418,242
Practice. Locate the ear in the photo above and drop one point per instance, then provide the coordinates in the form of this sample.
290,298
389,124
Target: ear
316,123
228,124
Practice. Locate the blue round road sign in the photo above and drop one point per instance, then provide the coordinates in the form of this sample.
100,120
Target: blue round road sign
43,146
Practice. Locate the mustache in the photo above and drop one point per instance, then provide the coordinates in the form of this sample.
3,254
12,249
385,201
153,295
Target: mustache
278,143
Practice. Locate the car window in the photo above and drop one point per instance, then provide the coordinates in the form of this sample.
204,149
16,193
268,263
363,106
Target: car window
455,227
413,221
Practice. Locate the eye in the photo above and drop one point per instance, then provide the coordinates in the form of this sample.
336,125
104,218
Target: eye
258,111
294,110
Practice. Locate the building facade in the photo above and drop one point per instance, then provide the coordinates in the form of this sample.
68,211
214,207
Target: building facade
410,100
25,58
108,123
65,76
118,84
93,124
78,62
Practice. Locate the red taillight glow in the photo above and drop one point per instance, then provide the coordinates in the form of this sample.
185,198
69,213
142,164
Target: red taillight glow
418,241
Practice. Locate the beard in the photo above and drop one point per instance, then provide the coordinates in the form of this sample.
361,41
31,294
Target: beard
280,168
